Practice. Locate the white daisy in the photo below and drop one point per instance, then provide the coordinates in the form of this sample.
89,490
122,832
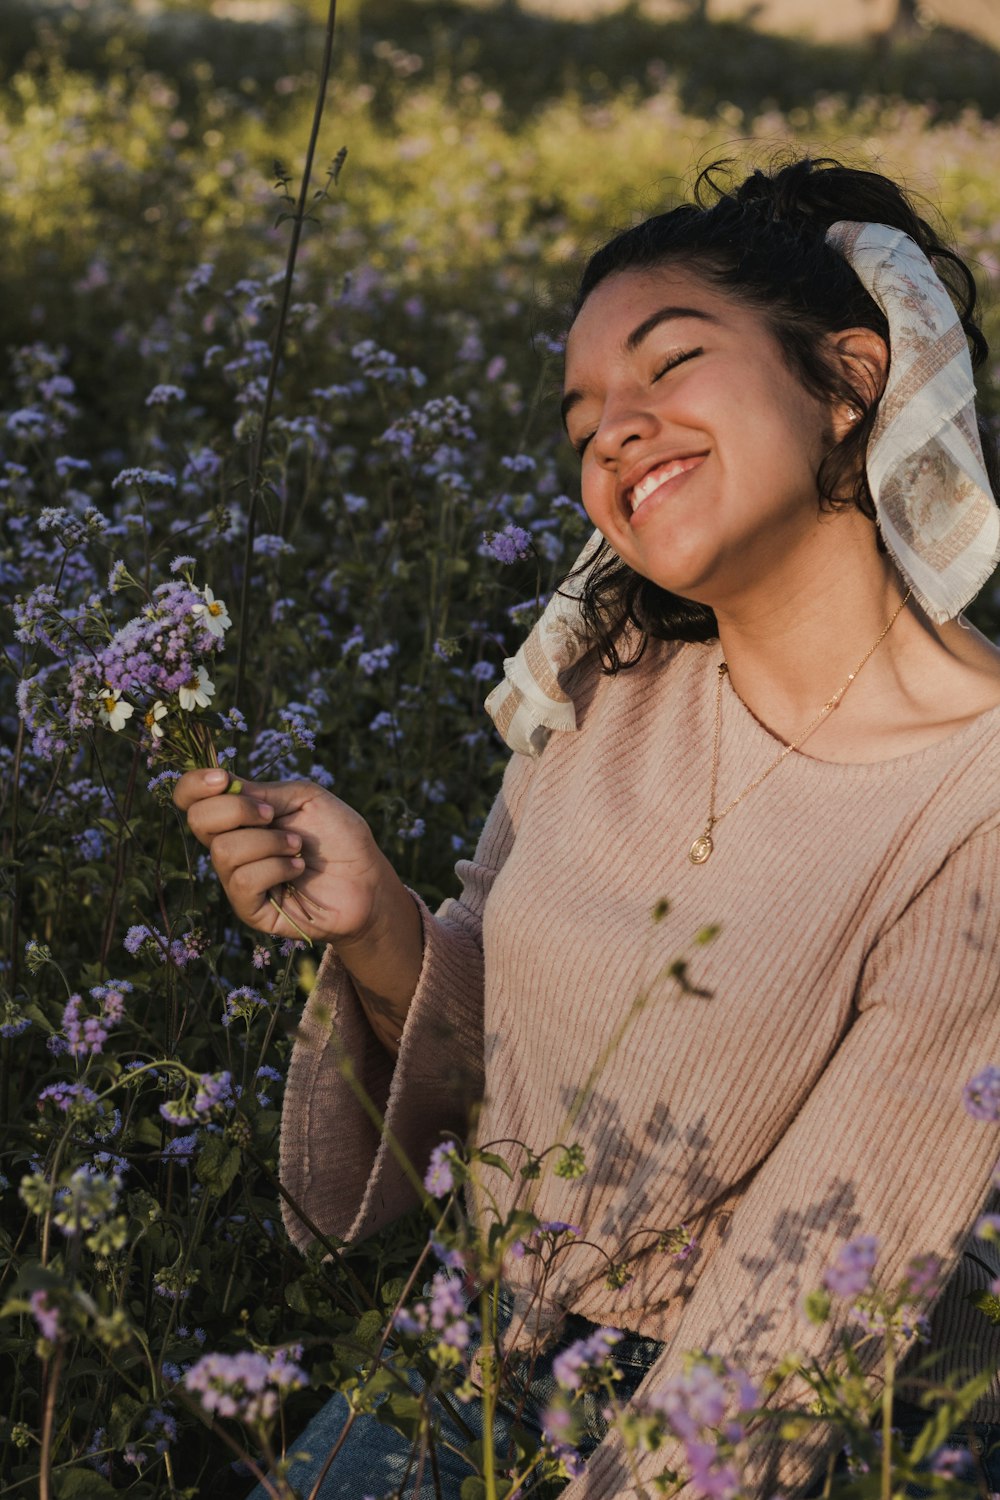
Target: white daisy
197,692
213,614
112,711
153,717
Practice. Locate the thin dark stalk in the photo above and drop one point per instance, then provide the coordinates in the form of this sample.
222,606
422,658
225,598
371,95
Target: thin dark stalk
120,858
53,1373
14,952
257,463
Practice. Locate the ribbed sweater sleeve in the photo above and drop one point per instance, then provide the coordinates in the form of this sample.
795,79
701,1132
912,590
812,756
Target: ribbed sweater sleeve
926,1019
337,1165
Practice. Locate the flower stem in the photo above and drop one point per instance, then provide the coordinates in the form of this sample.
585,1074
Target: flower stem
890,1375
257,462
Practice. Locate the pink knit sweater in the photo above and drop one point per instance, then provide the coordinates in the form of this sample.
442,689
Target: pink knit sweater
806,1086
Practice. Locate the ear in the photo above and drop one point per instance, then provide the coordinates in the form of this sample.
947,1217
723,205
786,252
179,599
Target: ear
864,360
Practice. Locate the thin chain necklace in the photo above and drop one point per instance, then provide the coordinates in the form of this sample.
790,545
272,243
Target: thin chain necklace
702,847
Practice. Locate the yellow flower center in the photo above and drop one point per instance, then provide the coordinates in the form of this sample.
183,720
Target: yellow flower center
110,704
215,608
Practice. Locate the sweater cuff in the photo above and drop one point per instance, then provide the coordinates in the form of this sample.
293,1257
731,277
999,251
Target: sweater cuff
336,1164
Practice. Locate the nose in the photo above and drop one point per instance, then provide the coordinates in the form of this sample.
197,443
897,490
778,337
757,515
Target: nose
626,418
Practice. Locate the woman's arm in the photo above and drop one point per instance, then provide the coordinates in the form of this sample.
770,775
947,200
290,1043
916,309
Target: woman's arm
336,1162
883,1146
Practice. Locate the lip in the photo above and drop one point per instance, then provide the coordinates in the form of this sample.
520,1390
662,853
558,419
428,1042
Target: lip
634,477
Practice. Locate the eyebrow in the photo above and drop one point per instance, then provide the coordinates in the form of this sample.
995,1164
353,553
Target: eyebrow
635,338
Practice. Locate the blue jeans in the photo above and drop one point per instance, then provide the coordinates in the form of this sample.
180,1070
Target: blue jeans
377,1461
977,1442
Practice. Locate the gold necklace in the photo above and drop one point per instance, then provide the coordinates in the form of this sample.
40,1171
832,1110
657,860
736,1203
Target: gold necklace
702,847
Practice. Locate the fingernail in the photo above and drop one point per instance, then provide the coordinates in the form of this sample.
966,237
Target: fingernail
264,808
293,841
298,864
216,778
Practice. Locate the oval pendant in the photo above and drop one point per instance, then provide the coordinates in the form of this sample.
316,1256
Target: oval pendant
700,849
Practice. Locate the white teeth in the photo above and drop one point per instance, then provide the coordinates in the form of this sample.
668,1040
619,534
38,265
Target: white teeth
653,480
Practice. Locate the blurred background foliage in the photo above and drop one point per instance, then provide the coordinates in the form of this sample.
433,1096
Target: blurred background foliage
137,140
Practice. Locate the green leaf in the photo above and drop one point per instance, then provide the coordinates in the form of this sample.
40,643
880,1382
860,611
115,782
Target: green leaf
80,1484
817,1306
473,1488
218,1164
986,1303
490,1159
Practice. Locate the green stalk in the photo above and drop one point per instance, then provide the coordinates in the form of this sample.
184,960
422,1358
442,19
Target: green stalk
257,461
887,1389
488,1315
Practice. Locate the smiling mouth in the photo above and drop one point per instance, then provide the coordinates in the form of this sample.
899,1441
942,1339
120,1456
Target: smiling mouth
657,477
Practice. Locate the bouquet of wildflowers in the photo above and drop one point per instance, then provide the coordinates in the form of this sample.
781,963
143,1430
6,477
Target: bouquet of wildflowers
147,679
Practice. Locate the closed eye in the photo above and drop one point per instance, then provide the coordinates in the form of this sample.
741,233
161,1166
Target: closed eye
675,360
580,446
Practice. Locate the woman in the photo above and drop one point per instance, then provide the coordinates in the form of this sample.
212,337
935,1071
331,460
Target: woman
771,398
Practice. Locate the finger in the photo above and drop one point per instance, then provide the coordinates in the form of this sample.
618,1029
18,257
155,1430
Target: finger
252,885
214,815
194,785
245,846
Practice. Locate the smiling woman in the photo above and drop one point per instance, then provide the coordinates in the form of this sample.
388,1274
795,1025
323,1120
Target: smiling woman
771,395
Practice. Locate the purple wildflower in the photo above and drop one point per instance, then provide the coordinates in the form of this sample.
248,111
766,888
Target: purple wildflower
851,1273
215,1091
45,1315
507,546
64,1095
952,1463
981,1095
439,1179
246,1385
181,1148
586,1359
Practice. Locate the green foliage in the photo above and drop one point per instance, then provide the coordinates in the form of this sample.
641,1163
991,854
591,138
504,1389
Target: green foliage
418,359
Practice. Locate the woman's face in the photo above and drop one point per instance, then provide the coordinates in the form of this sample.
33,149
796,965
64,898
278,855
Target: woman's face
699,446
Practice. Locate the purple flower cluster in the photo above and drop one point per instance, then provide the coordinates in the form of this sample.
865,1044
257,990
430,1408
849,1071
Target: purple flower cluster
851,1272
86,1035
152,665
242,1004
45,1315
510,545
215,1091
587,1362
162,1428
439,1179
247,1386
981,1095
705,1407
65,1095
445,1313
180,951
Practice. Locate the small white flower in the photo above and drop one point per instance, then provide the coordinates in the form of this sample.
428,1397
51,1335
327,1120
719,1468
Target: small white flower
213,614
113,711
197,692
153,717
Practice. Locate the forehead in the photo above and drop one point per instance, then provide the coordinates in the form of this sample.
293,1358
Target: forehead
619,306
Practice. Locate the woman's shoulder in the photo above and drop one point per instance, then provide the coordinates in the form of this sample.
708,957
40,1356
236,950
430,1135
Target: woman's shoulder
656,668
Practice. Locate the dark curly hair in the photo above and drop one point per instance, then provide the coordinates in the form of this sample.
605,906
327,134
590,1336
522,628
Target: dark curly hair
763,241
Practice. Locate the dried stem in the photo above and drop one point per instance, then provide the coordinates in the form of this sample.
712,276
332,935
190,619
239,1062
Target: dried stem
257,462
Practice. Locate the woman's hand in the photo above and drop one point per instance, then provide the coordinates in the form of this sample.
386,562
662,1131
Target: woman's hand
292,840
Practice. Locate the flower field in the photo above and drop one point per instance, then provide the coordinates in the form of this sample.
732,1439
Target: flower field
310,565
